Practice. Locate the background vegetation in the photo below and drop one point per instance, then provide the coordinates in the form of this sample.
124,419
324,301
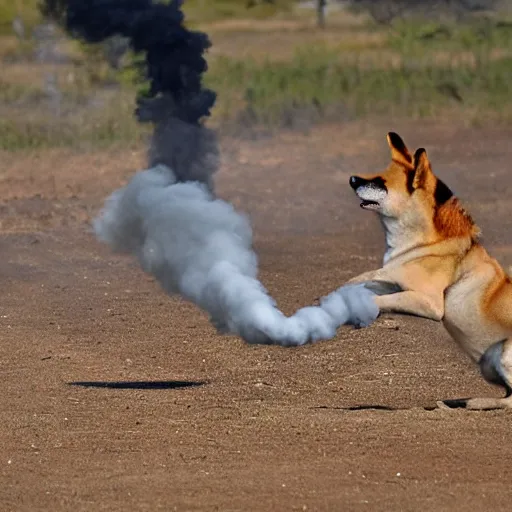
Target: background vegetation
271,64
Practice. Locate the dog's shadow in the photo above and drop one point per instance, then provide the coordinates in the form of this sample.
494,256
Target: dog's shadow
180,384
450,404
142,385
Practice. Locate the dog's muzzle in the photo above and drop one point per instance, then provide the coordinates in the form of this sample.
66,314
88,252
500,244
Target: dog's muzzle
356,182
371,192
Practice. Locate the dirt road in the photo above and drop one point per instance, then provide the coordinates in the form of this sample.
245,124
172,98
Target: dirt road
118,398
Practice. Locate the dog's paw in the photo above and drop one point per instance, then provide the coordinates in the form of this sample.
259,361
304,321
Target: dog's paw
476,404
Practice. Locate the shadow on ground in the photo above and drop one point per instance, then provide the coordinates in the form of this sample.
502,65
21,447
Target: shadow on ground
151,384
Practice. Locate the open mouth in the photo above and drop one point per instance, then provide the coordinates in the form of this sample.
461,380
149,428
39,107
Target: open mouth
369,205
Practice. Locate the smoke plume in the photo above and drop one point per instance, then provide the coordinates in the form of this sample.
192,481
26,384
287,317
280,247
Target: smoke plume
176,102
168,217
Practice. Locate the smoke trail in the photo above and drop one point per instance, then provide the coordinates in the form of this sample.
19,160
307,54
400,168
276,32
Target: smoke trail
200,247
168,217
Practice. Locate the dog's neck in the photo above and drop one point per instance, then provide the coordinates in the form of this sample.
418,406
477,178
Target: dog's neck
400,239
406,234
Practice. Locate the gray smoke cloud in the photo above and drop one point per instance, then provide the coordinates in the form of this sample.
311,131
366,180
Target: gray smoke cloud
168,216
200,247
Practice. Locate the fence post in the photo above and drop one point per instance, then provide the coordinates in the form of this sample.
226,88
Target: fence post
320,10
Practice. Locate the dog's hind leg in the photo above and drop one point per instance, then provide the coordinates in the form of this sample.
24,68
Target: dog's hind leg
496,368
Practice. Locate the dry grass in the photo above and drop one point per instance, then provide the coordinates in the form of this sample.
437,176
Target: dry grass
281,45
275,70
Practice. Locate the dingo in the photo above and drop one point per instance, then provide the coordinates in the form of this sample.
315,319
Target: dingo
433,254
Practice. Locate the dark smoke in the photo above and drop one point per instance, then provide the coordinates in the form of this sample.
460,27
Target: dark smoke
174,64
174,55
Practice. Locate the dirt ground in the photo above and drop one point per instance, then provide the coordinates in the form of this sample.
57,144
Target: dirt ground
118,398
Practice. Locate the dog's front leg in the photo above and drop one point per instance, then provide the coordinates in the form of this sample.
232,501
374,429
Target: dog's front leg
408,301
412,303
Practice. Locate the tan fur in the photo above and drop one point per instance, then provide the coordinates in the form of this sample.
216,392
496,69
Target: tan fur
451,221
433,253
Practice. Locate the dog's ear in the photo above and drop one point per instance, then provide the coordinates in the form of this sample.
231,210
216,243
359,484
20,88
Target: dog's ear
399,151
422,168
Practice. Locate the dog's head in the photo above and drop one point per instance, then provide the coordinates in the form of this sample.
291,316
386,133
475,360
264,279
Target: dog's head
409,191
393,191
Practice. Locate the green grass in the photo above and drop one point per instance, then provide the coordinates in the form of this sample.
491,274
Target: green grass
11,93
424,69
316,83
421,69
87,126
316,80
417,36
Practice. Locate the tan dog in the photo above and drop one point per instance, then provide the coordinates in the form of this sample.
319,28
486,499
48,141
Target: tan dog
433,254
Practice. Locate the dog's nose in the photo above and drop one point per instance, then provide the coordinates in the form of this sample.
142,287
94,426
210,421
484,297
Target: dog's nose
356,182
